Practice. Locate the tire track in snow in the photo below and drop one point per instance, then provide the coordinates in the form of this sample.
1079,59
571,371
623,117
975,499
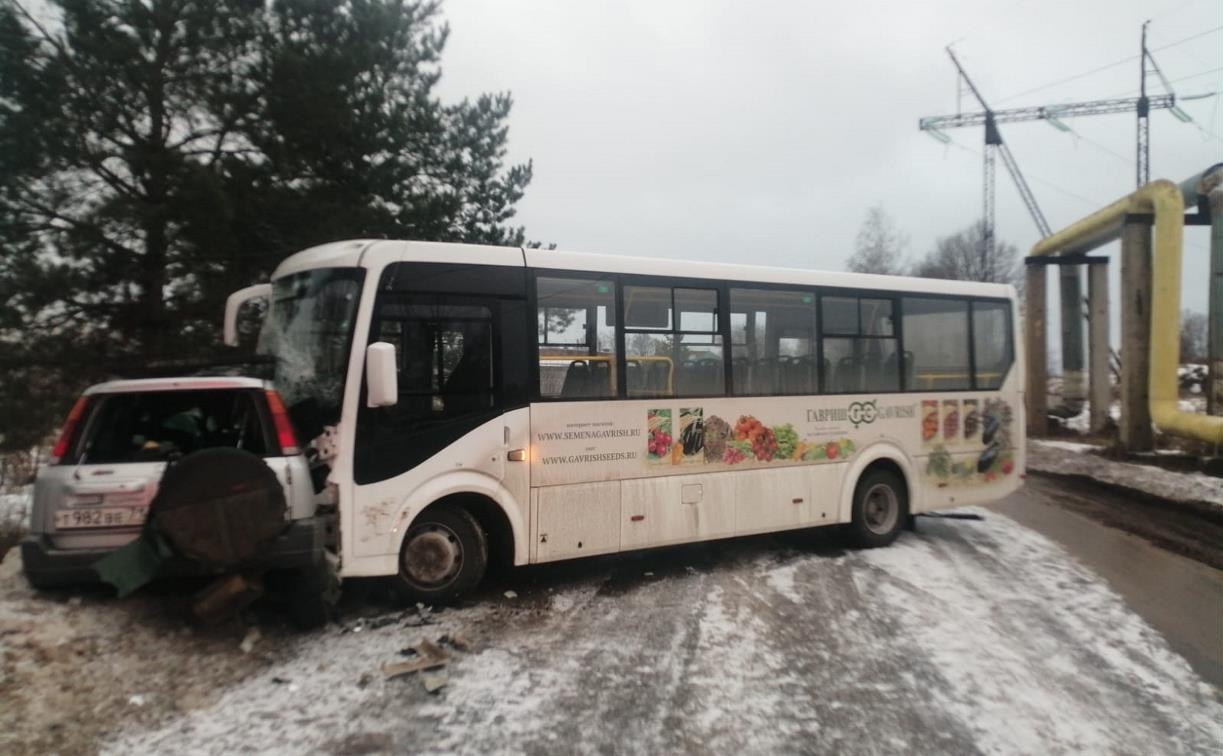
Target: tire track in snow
1041,655
962,638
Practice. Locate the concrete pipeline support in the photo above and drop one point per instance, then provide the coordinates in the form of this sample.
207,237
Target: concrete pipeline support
1101,397
1211,187
1035,347
1163,201
1074,383
1135,295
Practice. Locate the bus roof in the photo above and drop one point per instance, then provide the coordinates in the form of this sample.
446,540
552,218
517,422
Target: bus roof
368,252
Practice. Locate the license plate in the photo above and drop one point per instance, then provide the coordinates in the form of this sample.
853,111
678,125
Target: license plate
101,517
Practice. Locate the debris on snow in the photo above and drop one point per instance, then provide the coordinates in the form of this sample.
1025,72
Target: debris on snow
457,641
434,681
424,616
383,621
430,656
225,597
248,642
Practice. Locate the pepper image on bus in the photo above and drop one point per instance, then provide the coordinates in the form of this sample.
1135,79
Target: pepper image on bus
484,406
929,421
995,461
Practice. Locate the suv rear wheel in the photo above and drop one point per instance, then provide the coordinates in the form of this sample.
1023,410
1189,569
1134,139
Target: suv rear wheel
444,555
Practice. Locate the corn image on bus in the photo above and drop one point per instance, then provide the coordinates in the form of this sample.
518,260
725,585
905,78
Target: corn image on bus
490,404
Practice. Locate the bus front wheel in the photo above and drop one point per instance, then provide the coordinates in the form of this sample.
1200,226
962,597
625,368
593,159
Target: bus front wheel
443,556
881,508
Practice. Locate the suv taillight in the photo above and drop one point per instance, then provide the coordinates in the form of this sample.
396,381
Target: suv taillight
284,429
65,434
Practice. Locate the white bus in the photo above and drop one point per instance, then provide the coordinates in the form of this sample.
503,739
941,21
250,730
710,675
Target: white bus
518,405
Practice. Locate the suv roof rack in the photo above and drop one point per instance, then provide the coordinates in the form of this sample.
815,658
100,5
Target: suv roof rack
256,366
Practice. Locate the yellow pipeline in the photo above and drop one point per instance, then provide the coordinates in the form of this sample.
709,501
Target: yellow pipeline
1163,198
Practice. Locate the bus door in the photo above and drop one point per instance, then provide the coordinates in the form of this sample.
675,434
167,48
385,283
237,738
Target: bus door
462,377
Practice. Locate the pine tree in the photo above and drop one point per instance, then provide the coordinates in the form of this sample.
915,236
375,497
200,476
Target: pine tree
155,156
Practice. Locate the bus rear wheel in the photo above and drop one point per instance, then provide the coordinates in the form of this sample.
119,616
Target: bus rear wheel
443,556
881,508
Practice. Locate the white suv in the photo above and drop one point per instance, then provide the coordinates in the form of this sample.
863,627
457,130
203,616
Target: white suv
94,495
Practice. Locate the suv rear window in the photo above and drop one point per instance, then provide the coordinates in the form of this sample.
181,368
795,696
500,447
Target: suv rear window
159,425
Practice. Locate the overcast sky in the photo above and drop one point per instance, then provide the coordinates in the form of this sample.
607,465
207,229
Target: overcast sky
760,132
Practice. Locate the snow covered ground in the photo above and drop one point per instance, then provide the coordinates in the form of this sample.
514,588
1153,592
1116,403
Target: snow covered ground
962,637
1052,457
15,507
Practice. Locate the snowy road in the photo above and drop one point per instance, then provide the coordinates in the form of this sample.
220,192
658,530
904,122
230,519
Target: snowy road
963,637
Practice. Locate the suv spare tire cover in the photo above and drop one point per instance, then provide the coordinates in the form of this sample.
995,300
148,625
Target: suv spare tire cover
219,507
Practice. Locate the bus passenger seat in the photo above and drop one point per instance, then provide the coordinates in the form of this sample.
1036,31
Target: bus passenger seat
848,377
886,379
712,377
660,371
577,380
799,378
740,368
600,379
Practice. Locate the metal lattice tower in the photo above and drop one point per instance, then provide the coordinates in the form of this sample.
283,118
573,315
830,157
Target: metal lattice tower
993,147
1143,158
1052,114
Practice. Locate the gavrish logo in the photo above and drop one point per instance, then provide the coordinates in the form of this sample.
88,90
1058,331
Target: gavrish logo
862,413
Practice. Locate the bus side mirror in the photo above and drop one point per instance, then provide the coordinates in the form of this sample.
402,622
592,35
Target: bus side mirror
240,297
381,377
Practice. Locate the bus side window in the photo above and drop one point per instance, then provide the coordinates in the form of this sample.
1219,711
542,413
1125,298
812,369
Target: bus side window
576,333
992,338
672,342
773,341
861,353
936,333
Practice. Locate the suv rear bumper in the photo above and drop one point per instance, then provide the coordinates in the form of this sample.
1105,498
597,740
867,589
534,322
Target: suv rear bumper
45,566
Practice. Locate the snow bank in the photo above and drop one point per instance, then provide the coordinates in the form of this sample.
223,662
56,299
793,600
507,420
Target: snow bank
1051,457
15,507
1081,423
1070,446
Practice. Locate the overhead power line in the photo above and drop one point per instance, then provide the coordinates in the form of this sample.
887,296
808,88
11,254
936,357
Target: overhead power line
1107,66
1053,115
1035,177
